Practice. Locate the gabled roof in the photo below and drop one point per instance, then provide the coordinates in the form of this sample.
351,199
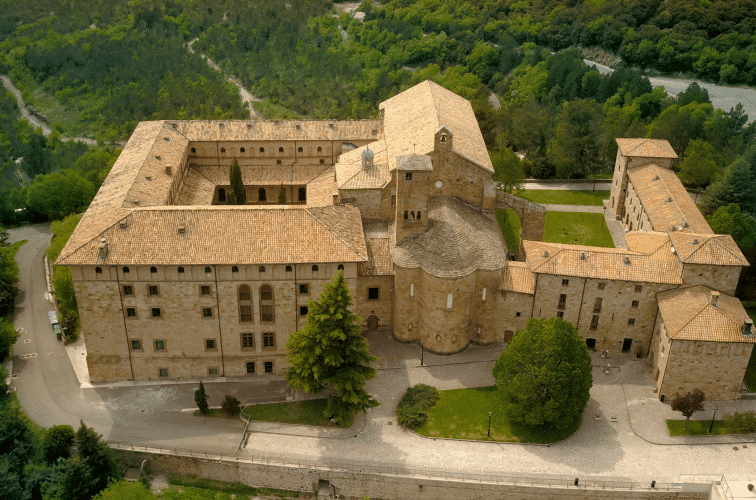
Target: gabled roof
646,148
277,130
666,201
659,265
717,249
228,235
412,118
518,278
379,258
688,315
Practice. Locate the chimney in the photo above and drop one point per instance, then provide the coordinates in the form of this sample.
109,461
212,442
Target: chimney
748,327
546,253
627,260
182,230
582,256
714,298
102,250
694,242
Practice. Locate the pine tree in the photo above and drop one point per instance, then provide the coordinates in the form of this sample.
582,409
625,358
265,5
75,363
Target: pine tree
237,185
200,398
330,352
281,195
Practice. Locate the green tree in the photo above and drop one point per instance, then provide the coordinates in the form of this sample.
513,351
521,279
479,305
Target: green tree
281,195
237,185
737,184
8,337
10,480
577,148
700,164
4,237
60,193
544,375
37,159
730,220
331,352
8,281
508,171
97,455
689,403
57,443
230,405
200,398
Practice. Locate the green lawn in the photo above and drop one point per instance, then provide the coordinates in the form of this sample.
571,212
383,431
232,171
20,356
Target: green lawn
463,414
587,229
564,197
509,223
697,428
310,412
193,488
750,375
15,246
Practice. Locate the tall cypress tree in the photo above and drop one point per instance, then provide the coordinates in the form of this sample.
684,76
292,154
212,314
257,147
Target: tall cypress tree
330,352
237,186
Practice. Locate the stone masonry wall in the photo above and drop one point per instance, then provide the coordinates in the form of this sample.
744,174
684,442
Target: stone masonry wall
512,313
532,217
721,278
383,307
367,200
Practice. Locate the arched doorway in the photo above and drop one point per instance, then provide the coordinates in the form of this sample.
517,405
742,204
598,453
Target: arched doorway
591,343
372,323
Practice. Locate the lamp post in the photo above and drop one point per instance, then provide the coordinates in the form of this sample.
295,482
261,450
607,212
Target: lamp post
422,352
603,221
490,414
711,426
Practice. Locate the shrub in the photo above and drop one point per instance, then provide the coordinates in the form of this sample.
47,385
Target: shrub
543,169
200,398
230,405
57,442
742,422
412,410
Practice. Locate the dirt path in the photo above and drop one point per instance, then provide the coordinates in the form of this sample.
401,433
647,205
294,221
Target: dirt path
246,95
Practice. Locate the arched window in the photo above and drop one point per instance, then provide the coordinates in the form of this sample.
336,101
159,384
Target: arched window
418,215
223,150
341,267
98,270
288,269
245,304
242,150
280,150
266,303
300,149
245,293
235,269
153,269
261,269
222,195
262,150
208,270
261,195
126,270
315,268
181,269
320,150
302,194
194,150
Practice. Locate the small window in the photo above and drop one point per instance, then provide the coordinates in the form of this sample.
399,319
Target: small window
207,312
565,282
245,314
408,176
205,290
160,345
235,269
210,344
269,340
126,270
268,367
280,150
222,195
638,288
131,312
300,150
213,371
153,269
250,367
406,215
278,162
374,293
98,270
636,303
244,293
320,149
153,289
194,150
601,285
597,304
340,267
562,301
261,269
288,269
261,195
262,150
208,270
223,150
518,314
163,372
155,312
418,215
136,345
303,310
302,194
266,292
315,268
181,269
630,321
243,150
449,300
128,290
322,161
594,321
248,340
560,314
304,289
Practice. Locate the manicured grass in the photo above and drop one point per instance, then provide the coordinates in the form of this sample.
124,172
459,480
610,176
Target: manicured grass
564,197
193,488
750,374
216,413
566,227
311,412
509,223
463,414
698,428
15,246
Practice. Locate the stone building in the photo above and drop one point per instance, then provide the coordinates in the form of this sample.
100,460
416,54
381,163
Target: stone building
174,282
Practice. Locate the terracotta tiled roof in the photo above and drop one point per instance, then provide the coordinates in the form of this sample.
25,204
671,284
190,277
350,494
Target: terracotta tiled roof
460,240
412,118
688,315
646,148
351,175
518,278
321,190
658,266
717,249
197,189
277,130
379,258
666,201
645,241
271,175
229,235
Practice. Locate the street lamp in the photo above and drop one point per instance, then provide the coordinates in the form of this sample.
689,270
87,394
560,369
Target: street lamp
490,414
422,352
604,219
711,426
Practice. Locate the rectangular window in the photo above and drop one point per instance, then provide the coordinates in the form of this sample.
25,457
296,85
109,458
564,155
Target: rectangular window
207,312
630,321
212,371
638,288
131,312
160,345
136,345
248,340
128,290
518,314
245,314
374,293
412,289
560,314
562,301
250,367
155,312
636,303
304,289
565,282
449,300
597,304
205,290
408,176
163,372
269,340
153,289
601,285
268,367
303,310
266,312
594,322
210,344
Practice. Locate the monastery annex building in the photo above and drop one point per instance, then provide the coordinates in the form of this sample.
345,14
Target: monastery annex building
173,282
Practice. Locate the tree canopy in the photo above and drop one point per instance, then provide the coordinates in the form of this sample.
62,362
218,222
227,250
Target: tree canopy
331,352
60,193
730,220
544,375
237,185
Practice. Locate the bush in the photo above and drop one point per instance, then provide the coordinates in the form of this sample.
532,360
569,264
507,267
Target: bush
230,405
543,169
742,422
412,410
200,398
57,443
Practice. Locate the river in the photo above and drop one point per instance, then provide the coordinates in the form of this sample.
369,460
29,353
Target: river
722,97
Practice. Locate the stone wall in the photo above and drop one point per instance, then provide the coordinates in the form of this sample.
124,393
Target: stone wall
382,307
532,217
512,313
367,200
721,278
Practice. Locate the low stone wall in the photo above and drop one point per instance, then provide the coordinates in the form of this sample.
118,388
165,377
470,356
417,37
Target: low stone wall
532,217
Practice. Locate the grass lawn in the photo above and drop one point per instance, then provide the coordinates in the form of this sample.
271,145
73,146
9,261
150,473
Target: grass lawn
587,229
509,223
750,375
193,488
311,412
463,414
697,428
15,246
564,197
